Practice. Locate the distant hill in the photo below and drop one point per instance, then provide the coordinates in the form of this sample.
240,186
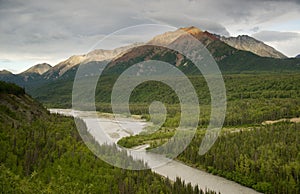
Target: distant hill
9,88
38,69
257,47
17,107
298,56
10,77
230,60
74,61
32,76
5,72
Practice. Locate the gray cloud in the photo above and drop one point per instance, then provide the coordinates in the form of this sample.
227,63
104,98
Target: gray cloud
285,42
201,24
270,36
53,30
5,60
254,29
293,1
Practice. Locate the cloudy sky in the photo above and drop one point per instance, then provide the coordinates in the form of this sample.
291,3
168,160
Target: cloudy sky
35,31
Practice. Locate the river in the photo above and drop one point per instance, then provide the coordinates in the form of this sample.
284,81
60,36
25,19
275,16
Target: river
110,132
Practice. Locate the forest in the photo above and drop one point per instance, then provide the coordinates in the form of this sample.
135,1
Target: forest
44,153
251,98
263,157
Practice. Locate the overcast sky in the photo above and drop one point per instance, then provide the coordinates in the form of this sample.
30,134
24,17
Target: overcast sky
35,31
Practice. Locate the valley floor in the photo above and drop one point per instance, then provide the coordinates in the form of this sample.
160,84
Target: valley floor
172,169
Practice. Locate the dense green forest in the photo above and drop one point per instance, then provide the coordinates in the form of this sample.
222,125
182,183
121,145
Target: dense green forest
44,153
264,157
238,87
251,99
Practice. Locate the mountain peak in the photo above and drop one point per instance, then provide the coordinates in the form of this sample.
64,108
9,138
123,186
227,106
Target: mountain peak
191,30
5,72
38,69
244,36
199,34
166,38
248,43
93,56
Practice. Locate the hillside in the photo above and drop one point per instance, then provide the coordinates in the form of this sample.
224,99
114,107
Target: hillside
71,64
5,72
43,153
237,58
30,77
38,69
229,59
259,97
265,158
10,77
248,43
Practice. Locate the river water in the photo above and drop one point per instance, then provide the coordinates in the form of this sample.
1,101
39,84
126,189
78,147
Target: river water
107,130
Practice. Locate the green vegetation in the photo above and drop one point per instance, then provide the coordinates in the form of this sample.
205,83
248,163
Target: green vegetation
44,153
238,87
265,158
153,139
6,88
229,60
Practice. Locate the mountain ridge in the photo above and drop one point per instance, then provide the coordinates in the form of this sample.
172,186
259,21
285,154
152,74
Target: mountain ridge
75,60
248,43
206,38
168,37
5,72
38,69
229,59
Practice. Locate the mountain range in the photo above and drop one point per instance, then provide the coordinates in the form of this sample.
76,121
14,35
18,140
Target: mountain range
248,43
242,54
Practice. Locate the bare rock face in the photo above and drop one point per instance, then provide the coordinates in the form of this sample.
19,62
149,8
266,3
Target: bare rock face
169,37
221,48
38,69
248,43
95,55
